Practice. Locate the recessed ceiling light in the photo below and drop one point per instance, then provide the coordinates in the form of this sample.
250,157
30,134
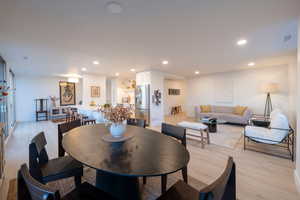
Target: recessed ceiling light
96,62
242,42
251,63
114,7
83,69
197,72
133,70
117,74
165,62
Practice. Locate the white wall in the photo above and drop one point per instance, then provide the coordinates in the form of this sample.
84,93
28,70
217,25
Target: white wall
93,80
29,88
174,100
246,89
297,170
157,111
292,81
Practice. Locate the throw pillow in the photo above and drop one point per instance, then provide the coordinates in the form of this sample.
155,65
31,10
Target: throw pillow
205,108
239,110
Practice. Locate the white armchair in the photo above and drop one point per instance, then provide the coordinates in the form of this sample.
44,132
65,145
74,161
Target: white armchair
279,132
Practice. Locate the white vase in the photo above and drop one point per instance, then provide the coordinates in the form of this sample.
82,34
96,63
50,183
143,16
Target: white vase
117,129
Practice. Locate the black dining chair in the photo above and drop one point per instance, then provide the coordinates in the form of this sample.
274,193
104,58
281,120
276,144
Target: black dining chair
31,189
137,122
178,133
223,188
140,123
45,170
62,129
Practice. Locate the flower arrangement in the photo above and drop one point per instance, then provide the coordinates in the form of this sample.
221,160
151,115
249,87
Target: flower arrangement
116,114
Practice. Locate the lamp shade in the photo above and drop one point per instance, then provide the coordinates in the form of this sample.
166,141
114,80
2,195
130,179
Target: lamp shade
270,88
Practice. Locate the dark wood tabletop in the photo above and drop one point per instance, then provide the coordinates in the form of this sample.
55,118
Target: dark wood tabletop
147,153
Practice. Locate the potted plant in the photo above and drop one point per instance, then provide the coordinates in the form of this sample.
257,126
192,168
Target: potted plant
117,116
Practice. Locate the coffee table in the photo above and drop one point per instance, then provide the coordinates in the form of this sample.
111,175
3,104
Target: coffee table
212,125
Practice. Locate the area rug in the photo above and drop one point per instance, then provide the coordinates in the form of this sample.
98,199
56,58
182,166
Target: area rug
149,191
226,135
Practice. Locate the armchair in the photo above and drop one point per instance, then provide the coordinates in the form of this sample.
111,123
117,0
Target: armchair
279,133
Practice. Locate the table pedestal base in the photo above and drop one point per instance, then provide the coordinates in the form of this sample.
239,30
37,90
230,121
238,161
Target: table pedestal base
121,187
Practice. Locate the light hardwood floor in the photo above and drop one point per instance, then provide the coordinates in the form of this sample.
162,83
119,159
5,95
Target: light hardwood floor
259,176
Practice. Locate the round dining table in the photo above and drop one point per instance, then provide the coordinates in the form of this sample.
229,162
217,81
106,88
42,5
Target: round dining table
119,164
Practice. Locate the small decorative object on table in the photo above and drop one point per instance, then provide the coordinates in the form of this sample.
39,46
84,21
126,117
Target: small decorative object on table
116,115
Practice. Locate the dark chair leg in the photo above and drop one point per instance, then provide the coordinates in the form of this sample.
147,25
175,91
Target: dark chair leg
163,184
144,180
185,174
77,180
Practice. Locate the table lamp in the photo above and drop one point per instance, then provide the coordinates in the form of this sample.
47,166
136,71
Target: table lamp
269,88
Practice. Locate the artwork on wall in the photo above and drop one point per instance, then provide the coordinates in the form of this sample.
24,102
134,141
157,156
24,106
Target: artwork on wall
67,93
174,91
95,91
224,90
156,97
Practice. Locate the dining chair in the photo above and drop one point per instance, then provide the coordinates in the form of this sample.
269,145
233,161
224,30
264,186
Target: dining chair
88,121
223,188
137,122
178,133
140,123
62,129
45,170
31,189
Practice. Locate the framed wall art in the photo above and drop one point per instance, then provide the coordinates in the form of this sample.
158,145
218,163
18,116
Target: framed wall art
95,91
67,93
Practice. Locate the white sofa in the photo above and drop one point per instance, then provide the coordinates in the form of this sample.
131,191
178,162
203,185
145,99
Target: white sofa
225,113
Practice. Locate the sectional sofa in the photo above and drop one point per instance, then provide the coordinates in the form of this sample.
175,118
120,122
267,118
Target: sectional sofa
225,113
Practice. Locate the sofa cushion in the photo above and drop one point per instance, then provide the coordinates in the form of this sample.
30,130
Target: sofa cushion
279,121
274,113
264,135
222,109
239,110
205,108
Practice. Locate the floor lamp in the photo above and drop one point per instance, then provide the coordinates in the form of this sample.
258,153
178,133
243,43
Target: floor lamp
269,88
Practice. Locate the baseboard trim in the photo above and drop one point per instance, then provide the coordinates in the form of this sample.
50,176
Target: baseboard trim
297,180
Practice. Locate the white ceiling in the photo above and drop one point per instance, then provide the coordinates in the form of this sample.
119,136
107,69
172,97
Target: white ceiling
62,36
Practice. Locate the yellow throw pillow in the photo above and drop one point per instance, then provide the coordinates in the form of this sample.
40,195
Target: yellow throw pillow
239,110
205,108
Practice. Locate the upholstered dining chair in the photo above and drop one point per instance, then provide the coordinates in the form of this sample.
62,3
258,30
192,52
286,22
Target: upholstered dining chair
63,128
45,170
136,122
31,189
223,188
